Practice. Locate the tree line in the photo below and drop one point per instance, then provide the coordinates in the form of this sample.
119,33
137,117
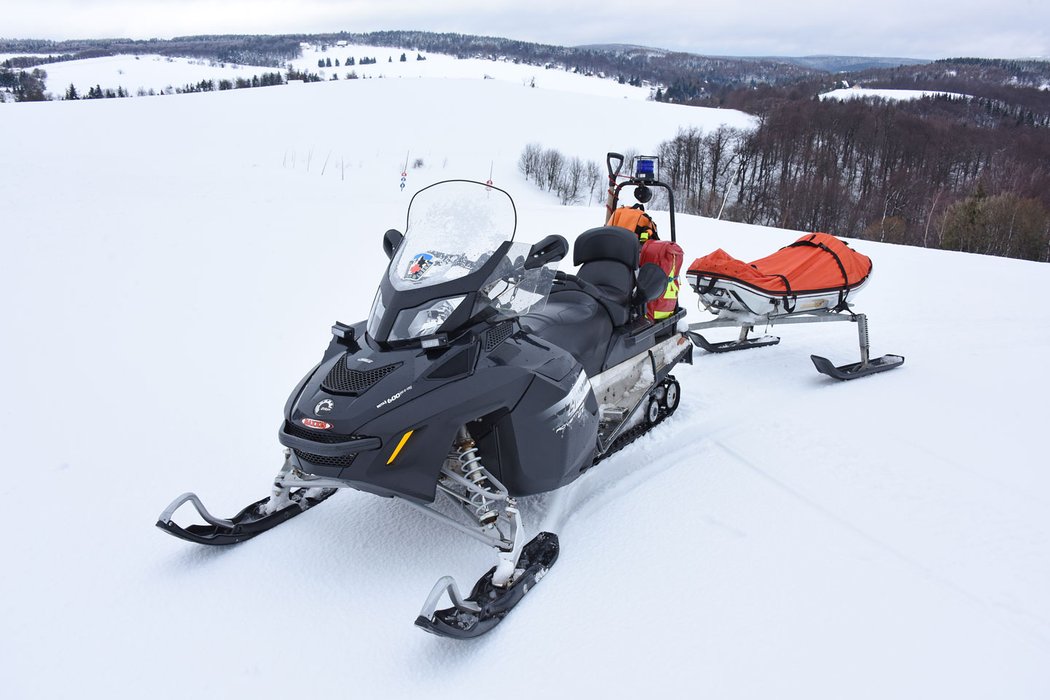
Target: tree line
572,179
871,170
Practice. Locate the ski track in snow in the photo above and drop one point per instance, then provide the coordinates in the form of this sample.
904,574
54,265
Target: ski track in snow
172,266
1042,638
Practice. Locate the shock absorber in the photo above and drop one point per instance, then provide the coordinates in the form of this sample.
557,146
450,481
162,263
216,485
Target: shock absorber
862,332
470,465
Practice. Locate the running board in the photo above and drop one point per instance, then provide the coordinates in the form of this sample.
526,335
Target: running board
856,369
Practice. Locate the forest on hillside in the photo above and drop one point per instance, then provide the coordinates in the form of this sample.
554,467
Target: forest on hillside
966,171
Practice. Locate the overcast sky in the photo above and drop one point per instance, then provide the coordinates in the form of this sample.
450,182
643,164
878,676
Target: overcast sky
905,28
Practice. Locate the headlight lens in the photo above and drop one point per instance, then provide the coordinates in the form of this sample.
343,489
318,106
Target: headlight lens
424,320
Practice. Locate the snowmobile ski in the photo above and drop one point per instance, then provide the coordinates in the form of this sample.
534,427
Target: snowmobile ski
856,369
251,521
487,604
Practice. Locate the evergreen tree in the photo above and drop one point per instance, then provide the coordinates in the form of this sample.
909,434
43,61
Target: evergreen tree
71,93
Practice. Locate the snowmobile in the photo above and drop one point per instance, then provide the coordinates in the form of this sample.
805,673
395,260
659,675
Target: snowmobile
481,375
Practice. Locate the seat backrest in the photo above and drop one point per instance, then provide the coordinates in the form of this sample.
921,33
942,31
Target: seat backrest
608,259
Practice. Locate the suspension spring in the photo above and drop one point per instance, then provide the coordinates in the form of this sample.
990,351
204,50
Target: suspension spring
470,465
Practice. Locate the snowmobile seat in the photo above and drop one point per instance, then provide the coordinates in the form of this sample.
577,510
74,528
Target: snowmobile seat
584,309
608,260
574,321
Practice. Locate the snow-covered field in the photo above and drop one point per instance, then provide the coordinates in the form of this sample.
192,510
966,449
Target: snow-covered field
857,93
171,267
141,74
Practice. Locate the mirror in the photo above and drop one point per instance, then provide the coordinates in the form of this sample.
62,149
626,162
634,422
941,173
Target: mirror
391,240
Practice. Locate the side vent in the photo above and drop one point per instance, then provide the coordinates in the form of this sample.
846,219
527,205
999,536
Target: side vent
497,335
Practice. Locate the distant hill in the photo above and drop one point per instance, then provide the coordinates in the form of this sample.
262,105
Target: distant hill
831,64
840,64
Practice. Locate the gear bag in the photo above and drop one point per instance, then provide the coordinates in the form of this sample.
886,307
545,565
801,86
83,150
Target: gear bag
669,256
635,220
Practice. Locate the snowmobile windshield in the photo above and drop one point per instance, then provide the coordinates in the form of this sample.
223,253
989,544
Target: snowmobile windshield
458,260
453,229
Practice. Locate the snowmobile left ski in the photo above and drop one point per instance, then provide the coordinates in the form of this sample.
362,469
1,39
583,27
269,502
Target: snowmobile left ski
482,375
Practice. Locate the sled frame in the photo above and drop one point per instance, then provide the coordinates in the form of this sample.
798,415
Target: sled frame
866,366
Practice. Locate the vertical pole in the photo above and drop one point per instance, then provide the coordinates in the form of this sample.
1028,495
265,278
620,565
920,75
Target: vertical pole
862,332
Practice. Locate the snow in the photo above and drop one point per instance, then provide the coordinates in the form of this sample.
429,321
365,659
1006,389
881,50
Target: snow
854,93
171,267
166,74
141,73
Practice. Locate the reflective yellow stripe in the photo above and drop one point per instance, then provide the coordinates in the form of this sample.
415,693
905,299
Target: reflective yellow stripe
397,450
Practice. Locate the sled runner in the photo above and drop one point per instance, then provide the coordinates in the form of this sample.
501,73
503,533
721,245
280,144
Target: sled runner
809,281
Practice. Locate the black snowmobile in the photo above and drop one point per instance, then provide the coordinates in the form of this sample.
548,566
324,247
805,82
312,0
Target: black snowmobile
481,375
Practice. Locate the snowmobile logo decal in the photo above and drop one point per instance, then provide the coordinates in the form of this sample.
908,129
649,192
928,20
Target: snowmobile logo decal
419,266
316,424
324,406
395,397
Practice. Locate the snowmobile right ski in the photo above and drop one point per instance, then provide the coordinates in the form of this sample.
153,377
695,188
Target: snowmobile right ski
285,503
253,519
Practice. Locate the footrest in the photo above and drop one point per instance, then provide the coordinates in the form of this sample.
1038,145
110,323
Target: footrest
731,345
856,369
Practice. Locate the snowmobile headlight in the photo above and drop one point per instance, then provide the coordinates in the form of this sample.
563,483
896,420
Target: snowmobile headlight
425,319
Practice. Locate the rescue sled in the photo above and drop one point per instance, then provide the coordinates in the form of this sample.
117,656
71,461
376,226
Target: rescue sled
810,281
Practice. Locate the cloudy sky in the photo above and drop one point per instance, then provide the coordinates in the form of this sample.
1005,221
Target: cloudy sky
908,28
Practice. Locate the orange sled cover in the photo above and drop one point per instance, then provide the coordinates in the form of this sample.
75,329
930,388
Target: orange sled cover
816,262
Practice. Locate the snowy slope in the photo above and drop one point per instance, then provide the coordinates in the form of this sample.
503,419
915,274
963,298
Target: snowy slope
170,269
166,73
857,93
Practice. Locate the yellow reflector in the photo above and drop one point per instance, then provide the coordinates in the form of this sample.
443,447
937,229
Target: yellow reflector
397,450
